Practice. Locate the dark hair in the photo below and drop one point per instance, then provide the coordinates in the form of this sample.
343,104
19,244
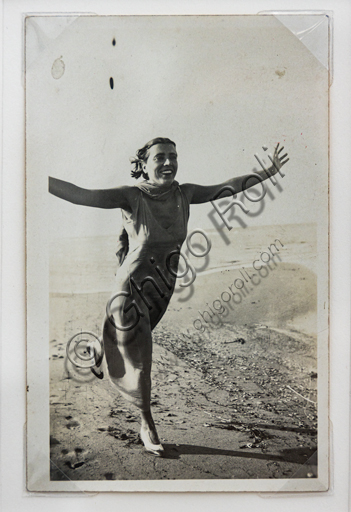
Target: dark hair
143,154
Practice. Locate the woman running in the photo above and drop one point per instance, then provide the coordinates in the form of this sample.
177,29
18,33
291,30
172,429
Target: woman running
155,215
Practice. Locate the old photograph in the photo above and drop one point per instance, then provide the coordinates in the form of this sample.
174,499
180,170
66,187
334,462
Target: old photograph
177,252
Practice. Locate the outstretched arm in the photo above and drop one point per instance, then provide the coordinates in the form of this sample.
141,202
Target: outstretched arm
105,198
202,194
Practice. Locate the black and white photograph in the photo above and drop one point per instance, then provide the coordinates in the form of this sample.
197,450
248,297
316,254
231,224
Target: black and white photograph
177,217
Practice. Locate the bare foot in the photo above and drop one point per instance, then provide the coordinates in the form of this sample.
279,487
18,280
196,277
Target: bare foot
147,423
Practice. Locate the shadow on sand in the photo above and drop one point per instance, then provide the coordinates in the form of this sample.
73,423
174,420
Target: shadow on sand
292,455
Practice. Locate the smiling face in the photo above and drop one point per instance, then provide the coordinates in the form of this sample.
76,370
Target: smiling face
161,165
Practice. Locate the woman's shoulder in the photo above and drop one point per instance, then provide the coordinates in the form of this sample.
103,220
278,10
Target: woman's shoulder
187,190
132,192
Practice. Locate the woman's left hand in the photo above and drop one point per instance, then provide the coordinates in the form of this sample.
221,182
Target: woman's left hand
278,161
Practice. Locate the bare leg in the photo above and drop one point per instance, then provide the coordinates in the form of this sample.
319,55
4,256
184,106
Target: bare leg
128,356
149,435
147,423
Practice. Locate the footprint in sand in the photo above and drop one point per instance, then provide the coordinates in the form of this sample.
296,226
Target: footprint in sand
75,465
73,456
72,424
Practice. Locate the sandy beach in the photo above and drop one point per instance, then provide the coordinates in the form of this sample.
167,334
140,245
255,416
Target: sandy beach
233,397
